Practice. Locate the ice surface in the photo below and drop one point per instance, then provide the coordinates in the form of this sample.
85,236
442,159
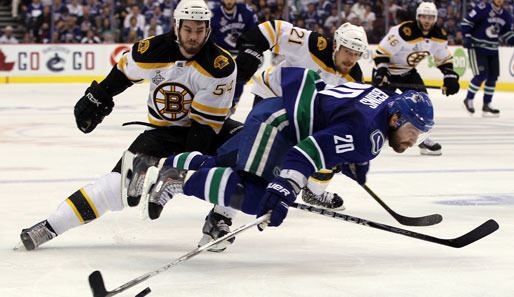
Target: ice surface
44,158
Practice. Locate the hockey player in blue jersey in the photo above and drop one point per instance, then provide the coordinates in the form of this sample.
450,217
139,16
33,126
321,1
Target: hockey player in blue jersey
482,30
229,21
286,139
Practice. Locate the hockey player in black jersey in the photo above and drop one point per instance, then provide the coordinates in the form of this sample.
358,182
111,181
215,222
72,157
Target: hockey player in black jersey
403,48
190,96
334,59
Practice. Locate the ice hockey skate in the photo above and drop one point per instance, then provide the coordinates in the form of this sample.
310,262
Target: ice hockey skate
160,185
216,225
468,105
133,171
36,235
490,112
430,148
326,199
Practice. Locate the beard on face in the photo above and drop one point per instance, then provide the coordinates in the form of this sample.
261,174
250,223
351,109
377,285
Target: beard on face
394,141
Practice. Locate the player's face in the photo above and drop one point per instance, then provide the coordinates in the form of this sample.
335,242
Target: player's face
498,3
345,59
229,4
192,35
426,22
404,137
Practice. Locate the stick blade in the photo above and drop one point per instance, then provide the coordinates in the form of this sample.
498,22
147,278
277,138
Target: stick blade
419,221
478,233
96,282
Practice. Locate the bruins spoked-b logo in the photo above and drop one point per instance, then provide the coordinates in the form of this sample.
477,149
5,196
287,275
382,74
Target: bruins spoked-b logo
172,101
414,58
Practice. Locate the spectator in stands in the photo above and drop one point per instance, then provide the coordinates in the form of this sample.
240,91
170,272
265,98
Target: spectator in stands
8,37
34,10
160,18
86,21
44,18
90,37
368,18
324,8
359,8
107,37
345,14
310,17
148,9
135,12
57,9
75,8
167,8
71,32
152,29
95,8
129,37
332,20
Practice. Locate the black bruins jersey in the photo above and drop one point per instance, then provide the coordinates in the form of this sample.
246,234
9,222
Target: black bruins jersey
301,48
181,89
405,46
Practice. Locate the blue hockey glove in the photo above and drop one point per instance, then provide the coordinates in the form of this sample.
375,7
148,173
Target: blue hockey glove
466,42
450,83
356,171
92,108
280,194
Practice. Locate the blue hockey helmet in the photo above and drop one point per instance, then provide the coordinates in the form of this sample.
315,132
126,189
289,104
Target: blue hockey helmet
413,107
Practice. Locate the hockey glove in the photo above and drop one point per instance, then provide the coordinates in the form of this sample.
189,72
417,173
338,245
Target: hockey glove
356,171
91,109
280,194
248,61
466,42
381,78
451,82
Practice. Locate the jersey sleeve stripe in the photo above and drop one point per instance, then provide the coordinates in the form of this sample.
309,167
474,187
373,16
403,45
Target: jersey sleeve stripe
153,65
210,109
310,149
199,68
276,48
266,79
273,40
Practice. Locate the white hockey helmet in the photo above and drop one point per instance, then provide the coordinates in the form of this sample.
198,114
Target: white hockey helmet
193,10
426,8
351,36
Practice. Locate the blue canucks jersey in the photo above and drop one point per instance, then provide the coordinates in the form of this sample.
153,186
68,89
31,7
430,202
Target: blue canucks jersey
227,28
487,26
343,124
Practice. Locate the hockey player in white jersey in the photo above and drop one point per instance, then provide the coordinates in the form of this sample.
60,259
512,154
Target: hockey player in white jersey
335,60
190,95
403,48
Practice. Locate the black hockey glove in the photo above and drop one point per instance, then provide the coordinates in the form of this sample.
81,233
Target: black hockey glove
91,109
248,61
356,171
381,78
451,82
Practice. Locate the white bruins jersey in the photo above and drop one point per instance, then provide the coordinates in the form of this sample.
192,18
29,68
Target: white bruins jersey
301,48
182,90
405,46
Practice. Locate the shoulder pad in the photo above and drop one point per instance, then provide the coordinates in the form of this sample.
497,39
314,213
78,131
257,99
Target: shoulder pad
409,31
321,48
215,60
439,33
155,49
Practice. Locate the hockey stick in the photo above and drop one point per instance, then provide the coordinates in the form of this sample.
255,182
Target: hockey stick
97,284
478,233
408,221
